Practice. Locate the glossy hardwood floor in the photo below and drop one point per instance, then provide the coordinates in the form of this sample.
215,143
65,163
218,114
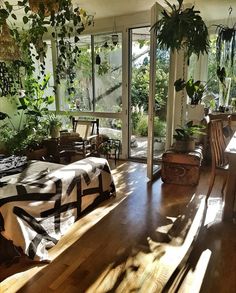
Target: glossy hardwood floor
138,241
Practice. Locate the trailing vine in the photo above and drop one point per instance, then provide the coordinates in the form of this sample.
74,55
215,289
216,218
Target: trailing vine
63,22
226,44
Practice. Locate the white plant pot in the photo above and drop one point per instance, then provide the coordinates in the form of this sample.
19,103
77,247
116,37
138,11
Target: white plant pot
55,131
159,146
195,113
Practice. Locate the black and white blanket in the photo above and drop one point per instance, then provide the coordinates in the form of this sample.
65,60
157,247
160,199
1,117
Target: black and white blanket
37,210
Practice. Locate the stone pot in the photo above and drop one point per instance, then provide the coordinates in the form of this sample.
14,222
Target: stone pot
184,146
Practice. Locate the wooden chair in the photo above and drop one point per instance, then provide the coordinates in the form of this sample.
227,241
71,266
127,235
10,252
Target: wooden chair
219,161
88,131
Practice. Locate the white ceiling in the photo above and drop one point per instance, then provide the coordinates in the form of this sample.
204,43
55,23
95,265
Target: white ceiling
210,9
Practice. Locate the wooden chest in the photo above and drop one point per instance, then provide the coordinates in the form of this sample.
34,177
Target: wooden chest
181,168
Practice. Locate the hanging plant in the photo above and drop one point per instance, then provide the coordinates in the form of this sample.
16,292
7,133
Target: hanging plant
41,17
225,45
182,29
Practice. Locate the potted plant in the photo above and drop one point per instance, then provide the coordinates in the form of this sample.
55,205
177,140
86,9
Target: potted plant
22,139
55,124
185,137
182,29
27,135
195,91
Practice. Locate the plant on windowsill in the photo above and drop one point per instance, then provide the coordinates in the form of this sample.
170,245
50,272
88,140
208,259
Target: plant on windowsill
185,137
182,29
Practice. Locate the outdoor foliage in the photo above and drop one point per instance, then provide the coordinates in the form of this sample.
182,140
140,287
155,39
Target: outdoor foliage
140,84
142,126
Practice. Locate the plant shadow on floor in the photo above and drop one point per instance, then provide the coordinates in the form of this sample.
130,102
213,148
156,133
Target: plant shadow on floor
133,246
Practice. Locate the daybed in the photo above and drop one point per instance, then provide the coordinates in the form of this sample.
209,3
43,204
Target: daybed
38,205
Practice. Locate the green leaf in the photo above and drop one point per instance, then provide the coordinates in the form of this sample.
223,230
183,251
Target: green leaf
4,14
3,116
25,19
76,39
13,16
20,3
8,6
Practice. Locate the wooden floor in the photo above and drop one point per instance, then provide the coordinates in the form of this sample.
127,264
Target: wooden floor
140,241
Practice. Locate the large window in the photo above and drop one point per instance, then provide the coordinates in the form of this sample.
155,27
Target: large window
224,93
98,83
108,74
49,91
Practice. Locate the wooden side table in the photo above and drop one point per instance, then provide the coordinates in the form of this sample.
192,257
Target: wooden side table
181,168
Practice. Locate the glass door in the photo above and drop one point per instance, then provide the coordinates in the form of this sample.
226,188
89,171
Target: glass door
139,95
139,91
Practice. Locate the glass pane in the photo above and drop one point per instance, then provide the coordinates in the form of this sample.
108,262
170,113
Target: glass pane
108,73
48,70
139,91
81,100
225,95
140,94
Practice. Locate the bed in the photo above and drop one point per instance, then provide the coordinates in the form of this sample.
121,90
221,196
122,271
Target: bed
38,205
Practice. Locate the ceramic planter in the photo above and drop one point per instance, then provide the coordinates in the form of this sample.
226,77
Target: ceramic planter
184,146
55,131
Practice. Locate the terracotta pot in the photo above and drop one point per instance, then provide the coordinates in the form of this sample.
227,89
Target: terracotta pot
184,146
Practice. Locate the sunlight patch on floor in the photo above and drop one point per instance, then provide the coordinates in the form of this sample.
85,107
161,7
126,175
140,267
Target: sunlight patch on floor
194,278
214,211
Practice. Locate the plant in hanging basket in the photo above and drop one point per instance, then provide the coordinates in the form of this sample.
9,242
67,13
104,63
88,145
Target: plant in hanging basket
41,17
182,29
225,44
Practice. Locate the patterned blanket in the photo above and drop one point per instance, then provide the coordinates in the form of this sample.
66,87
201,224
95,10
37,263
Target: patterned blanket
38,209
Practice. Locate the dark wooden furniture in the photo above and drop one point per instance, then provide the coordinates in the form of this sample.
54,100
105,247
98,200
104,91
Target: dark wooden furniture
227,131
230,194
88,131
110,148
181,168
219,161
